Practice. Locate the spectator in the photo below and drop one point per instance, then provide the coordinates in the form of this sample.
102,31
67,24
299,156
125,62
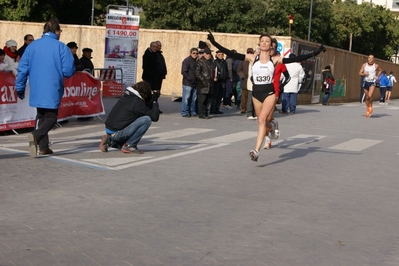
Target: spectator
28,39
86,60
162,67
130,119
189,94
204,76
290,93
391,79
328,83
219,83
46,62
242,71
74,47
11,57
3,64
384,81
151,67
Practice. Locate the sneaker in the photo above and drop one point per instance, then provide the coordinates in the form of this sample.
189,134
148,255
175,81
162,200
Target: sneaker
227,107
105,143
130,149
275,133
268,143
46,152
369,111
251,117
32,145
254,154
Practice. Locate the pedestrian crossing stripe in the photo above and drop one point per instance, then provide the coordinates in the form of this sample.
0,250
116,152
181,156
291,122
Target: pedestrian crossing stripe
356,145
178,133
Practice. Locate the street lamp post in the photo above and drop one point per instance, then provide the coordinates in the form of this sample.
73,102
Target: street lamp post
290,21
310,19
92,12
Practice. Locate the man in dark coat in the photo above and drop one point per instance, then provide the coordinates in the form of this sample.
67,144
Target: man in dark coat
86,60
204,75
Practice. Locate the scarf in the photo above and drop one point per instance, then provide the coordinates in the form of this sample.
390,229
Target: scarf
9,53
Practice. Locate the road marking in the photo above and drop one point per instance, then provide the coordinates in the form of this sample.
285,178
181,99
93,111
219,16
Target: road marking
243,135
297,140
355,145
179,133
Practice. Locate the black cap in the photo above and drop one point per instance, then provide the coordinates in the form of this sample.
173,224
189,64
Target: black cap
202,45
72,45
207,51
87,50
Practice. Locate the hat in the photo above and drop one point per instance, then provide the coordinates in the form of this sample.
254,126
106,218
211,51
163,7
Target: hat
87,50
202,45
72,45
292,55
328,67
10,43
207,50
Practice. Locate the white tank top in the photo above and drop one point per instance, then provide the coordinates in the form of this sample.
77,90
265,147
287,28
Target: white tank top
371,70
262,73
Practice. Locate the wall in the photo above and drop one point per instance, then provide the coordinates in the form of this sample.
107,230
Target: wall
176,46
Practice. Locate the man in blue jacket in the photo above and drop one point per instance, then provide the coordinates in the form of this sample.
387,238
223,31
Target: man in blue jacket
46,62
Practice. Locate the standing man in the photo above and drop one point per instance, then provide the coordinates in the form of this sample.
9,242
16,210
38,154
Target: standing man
370,71
290,93
74,47
219,85
189,95
151,68
163,71
28,39
204,74
46,62
86,60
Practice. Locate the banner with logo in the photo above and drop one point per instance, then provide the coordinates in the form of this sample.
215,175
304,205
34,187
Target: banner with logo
14,113
82,98
121,45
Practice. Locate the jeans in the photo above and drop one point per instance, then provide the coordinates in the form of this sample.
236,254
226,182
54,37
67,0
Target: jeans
325,98
132,134
46,119
189,101
288,101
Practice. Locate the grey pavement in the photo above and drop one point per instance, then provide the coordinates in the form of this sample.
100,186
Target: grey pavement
325,194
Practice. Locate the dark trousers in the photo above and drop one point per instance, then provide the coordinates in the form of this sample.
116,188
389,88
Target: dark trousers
228,92
155,84
383,90
46,119
203,100
218,92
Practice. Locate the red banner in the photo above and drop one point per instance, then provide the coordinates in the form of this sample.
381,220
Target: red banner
82,98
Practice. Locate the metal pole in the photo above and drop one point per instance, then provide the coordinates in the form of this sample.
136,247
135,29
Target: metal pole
92,12
310,19
127,4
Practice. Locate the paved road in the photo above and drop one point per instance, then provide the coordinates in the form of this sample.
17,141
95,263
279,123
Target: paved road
325,194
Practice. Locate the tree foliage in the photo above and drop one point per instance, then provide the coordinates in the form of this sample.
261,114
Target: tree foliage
374,29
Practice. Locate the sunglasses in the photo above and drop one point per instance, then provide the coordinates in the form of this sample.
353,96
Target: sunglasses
30,40
194,53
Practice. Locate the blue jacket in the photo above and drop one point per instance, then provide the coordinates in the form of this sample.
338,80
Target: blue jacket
46,62
383,80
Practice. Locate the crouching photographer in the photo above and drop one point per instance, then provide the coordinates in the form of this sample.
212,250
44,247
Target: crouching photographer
130,118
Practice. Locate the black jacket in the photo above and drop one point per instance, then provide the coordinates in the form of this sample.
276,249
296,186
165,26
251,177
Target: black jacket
87,64
128,109
221,67
188,67
204,75
150,66
326,73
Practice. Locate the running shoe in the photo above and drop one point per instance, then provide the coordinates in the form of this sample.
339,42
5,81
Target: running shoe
131,149
254,154
275,132
369,111
268,143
